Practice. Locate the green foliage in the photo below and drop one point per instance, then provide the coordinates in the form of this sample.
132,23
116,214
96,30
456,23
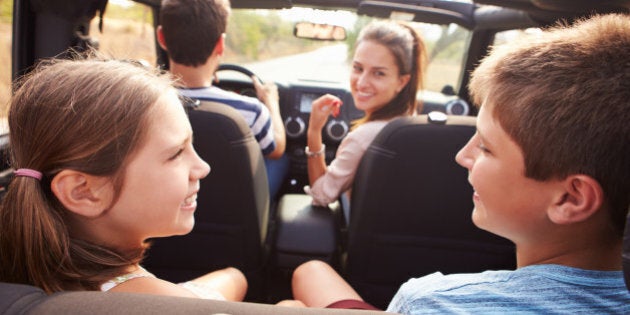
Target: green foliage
136,11
257,35
6,11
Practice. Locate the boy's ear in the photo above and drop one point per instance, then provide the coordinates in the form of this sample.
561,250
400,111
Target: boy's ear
83,194
219,48
580,197
160,37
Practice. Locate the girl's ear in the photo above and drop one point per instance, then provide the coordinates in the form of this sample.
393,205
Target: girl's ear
580,197
83,194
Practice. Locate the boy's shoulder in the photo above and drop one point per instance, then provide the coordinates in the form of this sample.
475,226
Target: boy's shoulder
539,288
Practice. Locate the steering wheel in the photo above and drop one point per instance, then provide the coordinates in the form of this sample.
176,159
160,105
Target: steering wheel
237,68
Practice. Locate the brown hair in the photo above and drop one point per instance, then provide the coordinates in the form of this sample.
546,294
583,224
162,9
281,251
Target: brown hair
85,115
192,28
409,50
564,97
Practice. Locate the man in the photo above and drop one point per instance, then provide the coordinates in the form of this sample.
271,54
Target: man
193,34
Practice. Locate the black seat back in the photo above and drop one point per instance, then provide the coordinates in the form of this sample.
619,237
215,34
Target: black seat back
626,253
411,210
232,204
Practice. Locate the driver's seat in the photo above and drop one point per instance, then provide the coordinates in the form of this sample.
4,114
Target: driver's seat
233,204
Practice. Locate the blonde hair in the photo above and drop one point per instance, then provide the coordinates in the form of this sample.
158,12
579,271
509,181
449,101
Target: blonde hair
564,97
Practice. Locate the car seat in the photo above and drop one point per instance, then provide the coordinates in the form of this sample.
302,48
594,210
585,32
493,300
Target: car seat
411,208
25,299
232,204
626,253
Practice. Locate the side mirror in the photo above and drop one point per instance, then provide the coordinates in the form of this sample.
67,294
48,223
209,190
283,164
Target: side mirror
319,31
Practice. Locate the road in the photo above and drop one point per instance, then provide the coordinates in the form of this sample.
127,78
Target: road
327,64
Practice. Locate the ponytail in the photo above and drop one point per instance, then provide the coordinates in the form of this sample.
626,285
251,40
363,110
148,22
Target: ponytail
34,239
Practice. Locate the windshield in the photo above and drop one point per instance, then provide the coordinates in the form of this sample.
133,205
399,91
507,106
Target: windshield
263,41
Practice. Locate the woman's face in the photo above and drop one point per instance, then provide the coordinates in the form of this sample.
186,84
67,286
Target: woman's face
375,79
158,197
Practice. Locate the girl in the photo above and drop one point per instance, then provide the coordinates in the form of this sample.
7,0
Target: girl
386,74
104,160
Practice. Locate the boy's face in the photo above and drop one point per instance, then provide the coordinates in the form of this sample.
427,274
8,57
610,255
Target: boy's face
506,202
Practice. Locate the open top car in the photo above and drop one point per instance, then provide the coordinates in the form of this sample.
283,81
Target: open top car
411,202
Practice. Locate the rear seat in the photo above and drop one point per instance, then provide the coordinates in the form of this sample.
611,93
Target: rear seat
25,299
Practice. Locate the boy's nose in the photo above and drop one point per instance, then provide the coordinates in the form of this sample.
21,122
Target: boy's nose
464,157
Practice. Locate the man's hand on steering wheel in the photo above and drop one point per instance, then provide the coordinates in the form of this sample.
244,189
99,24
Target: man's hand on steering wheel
266,92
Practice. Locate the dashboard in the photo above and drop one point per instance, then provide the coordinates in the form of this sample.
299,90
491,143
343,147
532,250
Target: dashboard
295,109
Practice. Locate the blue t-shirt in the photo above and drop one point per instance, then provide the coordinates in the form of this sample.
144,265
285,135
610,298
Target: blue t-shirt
256,114
537,289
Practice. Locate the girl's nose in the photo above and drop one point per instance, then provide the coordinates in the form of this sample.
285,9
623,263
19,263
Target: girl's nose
201,169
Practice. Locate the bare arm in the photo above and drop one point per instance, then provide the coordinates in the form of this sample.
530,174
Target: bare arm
316,284
322,107
230,282
268,95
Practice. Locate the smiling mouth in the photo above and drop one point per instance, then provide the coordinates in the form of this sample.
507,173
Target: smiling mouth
190,201
475,196
363,95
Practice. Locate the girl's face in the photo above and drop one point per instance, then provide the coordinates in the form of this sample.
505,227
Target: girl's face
158,197
375,78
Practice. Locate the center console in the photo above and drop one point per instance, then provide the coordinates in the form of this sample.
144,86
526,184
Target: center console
296,112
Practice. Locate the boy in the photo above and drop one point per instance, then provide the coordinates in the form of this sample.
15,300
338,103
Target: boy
550,168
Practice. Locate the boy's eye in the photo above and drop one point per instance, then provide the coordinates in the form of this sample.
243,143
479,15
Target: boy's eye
483,148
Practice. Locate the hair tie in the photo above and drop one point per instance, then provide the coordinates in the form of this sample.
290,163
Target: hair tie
27,172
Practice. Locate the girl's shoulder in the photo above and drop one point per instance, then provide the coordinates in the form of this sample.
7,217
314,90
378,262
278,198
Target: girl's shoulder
140,273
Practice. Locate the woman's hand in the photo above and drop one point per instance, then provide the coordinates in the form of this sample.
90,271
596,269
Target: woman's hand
323,107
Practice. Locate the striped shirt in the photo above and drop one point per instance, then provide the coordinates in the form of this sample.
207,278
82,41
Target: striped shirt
536,289
256,114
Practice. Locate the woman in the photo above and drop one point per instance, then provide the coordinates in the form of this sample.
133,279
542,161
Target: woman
387,71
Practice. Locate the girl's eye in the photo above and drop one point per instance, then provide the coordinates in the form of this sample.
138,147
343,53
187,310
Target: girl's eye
176,155
356,68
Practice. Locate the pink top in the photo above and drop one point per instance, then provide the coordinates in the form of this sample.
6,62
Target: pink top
340,173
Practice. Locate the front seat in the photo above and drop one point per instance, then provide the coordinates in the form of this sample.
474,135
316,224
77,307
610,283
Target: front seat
232,204
411,210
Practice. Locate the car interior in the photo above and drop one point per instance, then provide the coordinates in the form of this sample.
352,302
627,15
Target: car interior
410,203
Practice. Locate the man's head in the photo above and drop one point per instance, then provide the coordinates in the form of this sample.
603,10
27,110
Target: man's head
564,97
192,28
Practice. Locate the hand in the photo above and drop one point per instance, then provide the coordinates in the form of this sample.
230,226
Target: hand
323,107
267,93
